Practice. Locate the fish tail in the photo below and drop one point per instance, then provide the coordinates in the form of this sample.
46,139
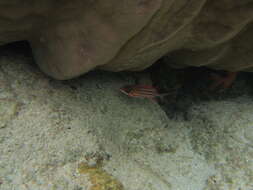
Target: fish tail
167,93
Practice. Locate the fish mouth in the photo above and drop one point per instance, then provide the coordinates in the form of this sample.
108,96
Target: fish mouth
124,90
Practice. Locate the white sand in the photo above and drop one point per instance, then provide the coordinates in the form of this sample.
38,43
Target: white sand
48,127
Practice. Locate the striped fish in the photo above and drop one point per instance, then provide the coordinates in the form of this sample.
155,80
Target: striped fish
141,91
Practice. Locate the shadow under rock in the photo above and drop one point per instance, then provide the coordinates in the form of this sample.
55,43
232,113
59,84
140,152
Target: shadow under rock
190,86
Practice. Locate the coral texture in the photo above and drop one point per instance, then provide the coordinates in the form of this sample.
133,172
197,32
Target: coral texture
70,38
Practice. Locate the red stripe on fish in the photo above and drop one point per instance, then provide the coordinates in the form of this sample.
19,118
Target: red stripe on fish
140,91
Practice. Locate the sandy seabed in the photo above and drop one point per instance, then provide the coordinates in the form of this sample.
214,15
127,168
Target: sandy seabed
83,134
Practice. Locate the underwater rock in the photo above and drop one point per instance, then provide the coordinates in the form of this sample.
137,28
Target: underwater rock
69,39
